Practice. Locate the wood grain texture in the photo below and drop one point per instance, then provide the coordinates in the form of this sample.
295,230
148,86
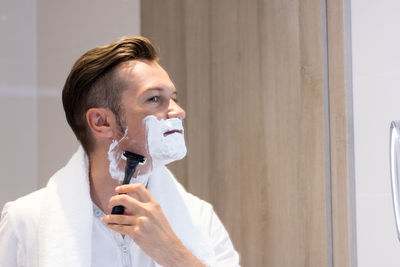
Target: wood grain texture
167,24
250,74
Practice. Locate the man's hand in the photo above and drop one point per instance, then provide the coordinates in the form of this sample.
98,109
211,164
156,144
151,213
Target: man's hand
147,225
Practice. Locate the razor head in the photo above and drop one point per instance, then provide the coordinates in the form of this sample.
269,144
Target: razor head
130,156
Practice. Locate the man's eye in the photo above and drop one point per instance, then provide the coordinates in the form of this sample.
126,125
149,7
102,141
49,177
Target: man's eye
154,99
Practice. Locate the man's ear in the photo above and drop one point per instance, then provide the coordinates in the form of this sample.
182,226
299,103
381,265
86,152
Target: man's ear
100,122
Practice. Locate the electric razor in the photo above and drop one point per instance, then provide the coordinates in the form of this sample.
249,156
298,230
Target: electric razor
132,160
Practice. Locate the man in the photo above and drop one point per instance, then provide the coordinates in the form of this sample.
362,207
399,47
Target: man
117,98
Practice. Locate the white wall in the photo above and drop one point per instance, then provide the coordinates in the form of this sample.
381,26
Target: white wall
376,92
40,41
17,98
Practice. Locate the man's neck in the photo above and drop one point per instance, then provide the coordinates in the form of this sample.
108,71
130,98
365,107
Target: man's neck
102,185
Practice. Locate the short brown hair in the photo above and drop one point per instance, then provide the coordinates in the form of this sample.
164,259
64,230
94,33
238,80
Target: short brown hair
92,82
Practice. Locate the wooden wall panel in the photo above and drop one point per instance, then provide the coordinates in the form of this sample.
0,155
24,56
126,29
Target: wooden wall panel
251,78
157,27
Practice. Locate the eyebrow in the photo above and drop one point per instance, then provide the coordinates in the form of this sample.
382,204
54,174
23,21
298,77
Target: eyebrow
159,89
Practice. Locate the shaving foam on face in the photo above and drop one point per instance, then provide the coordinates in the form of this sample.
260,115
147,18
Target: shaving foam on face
165,143
165,140
117,163
116,157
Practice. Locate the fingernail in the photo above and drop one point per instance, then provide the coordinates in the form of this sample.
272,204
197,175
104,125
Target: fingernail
117,188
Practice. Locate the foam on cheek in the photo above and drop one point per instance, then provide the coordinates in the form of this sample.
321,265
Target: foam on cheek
164,149
116,158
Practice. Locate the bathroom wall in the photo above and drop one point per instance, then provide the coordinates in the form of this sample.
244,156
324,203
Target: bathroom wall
40,41
376,92
65,30
18,65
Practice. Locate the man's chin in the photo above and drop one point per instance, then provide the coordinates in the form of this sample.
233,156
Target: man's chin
163,159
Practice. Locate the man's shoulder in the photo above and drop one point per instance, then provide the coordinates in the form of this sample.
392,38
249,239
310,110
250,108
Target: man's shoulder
197,207
26,209
198,203
195,202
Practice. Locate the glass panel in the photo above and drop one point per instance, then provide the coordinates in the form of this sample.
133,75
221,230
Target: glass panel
394,170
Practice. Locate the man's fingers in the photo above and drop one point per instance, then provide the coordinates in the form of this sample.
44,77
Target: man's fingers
123,229
132,204
138,189
136,227
119,219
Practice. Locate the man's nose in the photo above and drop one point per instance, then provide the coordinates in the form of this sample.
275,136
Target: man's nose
175,111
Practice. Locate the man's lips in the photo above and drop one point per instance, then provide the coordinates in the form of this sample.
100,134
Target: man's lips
173,131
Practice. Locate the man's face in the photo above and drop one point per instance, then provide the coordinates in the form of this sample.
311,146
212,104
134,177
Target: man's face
150,91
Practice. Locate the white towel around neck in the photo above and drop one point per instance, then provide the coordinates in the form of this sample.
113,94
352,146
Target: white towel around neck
65,227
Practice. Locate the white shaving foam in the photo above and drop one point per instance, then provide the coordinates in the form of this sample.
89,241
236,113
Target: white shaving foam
162,149
165,149
115,156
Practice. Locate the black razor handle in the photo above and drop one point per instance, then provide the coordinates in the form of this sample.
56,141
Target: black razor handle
132,160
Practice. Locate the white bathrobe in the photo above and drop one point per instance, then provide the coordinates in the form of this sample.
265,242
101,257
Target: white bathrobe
52,227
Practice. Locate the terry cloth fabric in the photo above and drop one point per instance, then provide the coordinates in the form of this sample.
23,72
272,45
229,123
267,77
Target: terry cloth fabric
66,217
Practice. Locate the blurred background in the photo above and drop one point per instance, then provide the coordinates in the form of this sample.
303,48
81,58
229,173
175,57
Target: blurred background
288,109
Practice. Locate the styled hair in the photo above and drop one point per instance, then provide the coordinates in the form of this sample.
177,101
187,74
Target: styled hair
93,82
